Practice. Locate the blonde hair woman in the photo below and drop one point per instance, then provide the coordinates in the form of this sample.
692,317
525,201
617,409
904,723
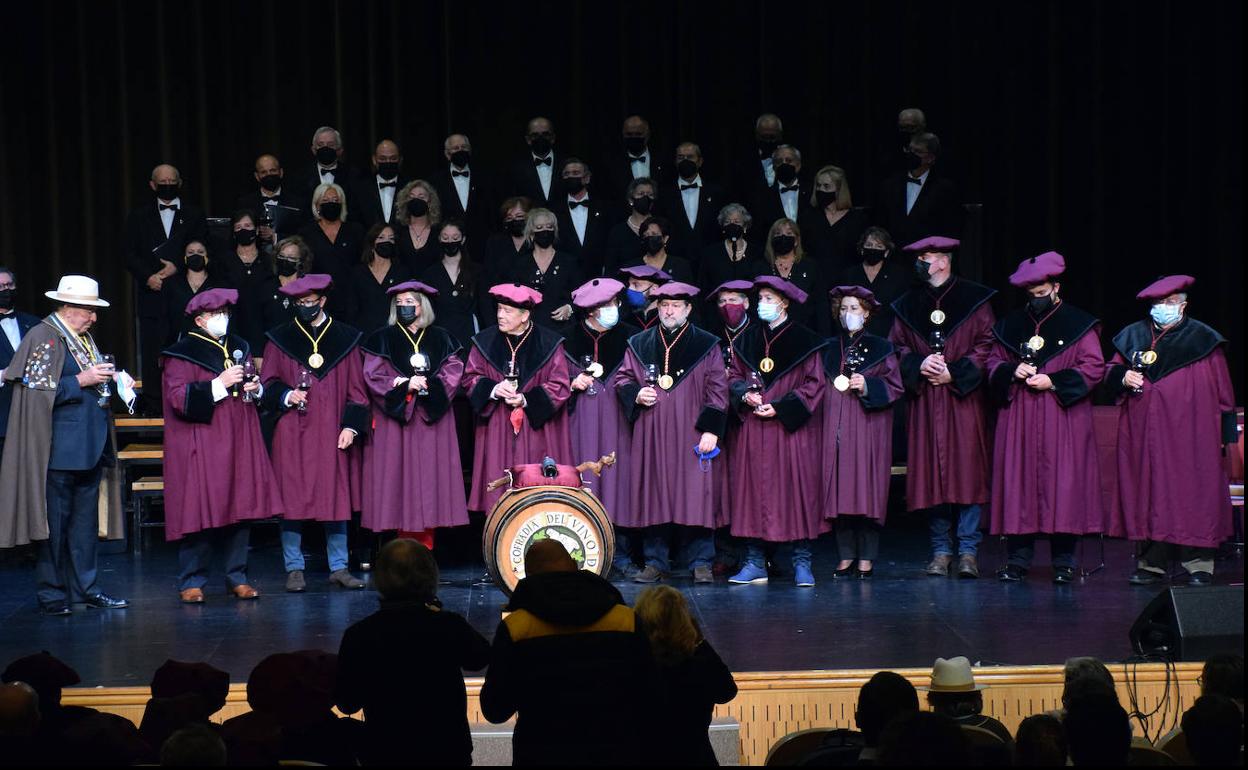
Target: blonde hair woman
418,212
334,243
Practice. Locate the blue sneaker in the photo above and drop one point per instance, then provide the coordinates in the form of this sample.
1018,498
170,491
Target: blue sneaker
803,576
750,573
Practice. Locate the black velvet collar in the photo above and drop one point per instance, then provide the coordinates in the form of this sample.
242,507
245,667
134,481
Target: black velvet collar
686,354
914,307
391,344
1184,344
1067,325
873,349
793,343
644,319
532,355
611,345
203,353
338,340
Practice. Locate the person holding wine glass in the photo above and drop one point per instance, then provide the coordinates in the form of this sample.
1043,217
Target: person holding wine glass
413,370
948,448
315,452
777,384
864,381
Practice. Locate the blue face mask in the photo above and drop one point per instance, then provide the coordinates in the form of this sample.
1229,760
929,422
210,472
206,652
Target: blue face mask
608,315
635,298
768,311
1164,315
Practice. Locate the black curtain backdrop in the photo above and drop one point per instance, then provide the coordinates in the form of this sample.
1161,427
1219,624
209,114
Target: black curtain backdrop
1111,132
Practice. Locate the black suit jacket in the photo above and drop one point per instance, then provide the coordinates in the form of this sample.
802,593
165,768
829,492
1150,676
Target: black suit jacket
307,178
522,179
686,241
766,208
613,175
937,210
145,245
25,322
482,205
748,180
590,253
364,200
294,213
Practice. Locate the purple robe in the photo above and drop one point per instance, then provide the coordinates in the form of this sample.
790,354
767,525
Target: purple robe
950,444
217,471
545,382
413,478
318,481
777,484
858,429
1046,476
668,484
1172,483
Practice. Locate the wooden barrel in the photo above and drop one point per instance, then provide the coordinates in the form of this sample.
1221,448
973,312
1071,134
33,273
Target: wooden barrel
572,515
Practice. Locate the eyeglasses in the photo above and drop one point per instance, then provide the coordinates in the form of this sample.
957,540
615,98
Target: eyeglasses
8,285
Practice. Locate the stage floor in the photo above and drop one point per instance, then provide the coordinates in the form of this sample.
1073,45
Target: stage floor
899,618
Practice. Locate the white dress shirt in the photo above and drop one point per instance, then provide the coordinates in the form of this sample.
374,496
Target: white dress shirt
544,174
768,171
462,184
166,215
580,217
387,198
788,201
691,198
642,168
327,174
9,324
913,190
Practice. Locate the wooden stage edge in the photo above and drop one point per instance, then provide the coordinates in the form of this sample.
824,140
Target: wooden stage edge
769,705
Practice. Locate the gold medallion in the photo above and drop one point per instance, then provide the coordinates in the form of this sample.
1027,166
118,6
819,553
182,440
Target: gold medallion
316,360
595,370
937,317
1148,357
766,365
666,382
417,360
841,383
1036,342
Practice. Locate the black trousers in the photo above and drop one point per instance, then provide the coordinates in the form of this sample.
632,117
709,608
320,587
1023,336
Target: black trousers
1022,549
195,556
1156,557
153,333
857,538
66,563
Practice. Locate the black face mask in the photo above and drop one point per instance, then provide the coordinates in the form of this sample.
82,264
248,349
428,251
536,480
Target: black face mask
1040,305
514,227
913,161
874,256
922,270
825,198
6,299
384,249
540,145
573,184
245,237
270,182
331,211
687,169
733,231
405,314
286,267
388,169
451,248
544,238
326,156
643,205
783,244
786,173
461,158
767,146
307,314
635,145
196,262
417,207
166,192
653,244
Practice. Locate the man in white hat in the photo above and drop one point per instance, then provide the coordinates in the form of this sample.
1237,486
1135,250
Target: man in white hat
58,446
953,692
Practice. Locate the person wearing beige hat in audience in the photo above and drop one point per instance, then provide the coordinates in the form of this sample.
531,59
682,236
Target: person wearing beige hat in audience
953,692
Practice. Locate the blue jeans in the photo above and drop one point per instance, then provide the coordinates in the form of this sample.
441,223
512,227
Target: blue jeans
940,521
697,545
754,553
335,544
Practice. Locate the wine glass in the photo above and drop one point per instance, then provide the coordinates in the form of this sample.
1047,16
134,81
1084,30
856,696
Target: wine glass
107,359
303,384
249,374
936,341
587,363
853,360
1138,364
652,375
1027,353
422,370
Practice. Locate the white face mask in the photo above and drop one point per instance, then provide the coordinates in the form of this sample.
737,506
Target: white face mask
217,325
851,321
608,316
768,311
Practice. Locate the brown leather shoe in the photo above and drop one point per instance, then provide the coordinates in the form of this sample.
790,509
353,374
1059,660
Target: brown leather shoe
968,567
939,566
192,596
245,592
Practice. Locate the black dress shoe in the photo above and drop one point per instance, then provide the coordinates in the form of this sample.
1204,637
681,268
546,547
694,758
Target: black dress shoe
1142,577
55,608
844,573
865,574
1011,573
1200,578
1063,575
105,602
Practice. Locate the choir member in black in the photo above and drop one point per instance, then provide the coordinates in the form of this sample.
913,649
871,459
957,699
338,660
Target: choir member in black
553,273
375,195
755,173
180,288
155,235
457,279
246,271
416,225
532,175
733,257
642,311
467,192
656,234
879,271
584,220
786,258
632,159
916,203
335,242
624,238
368,306
329,166
285,205
503,249
787,198
690,203
831,224
292,259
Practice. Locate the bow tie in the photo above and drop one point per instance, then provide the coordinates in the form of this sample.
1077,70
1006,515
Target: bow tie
574,204
543,161
167,206
455,173
784,189
693,186
641,159
395,183
912,180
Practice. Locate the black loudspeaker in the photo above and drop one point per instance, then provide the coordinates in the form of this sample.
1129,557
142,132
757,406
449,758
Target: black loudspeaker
1191,623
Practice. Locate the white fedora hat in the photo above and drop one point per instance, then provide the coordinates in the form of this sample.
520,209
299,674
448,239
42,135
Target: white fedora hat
953,675
77,290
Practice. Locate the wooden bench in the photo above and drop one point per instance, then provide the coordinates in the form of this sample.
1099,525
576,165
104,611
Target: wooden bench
141,453
142,490
139,424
